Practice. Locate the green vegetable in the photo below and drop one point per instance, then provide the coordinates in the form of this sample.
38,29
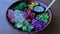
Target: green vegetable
24,28
30,28
21,6
44,17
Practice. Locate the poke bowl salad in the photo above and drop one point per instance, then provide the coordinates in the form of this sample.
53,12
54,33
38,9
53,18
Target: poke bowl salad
29,17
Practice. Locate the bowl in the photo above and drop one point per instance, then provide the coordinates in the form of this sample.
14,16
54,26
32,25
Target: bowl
42,4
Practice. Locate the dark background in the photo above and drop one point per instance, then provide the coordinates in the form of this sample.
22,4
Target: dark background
6,28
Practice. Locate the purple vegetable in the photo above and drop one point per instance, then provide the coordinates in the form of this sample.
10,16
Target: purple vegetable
38,24
29,14
10,15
